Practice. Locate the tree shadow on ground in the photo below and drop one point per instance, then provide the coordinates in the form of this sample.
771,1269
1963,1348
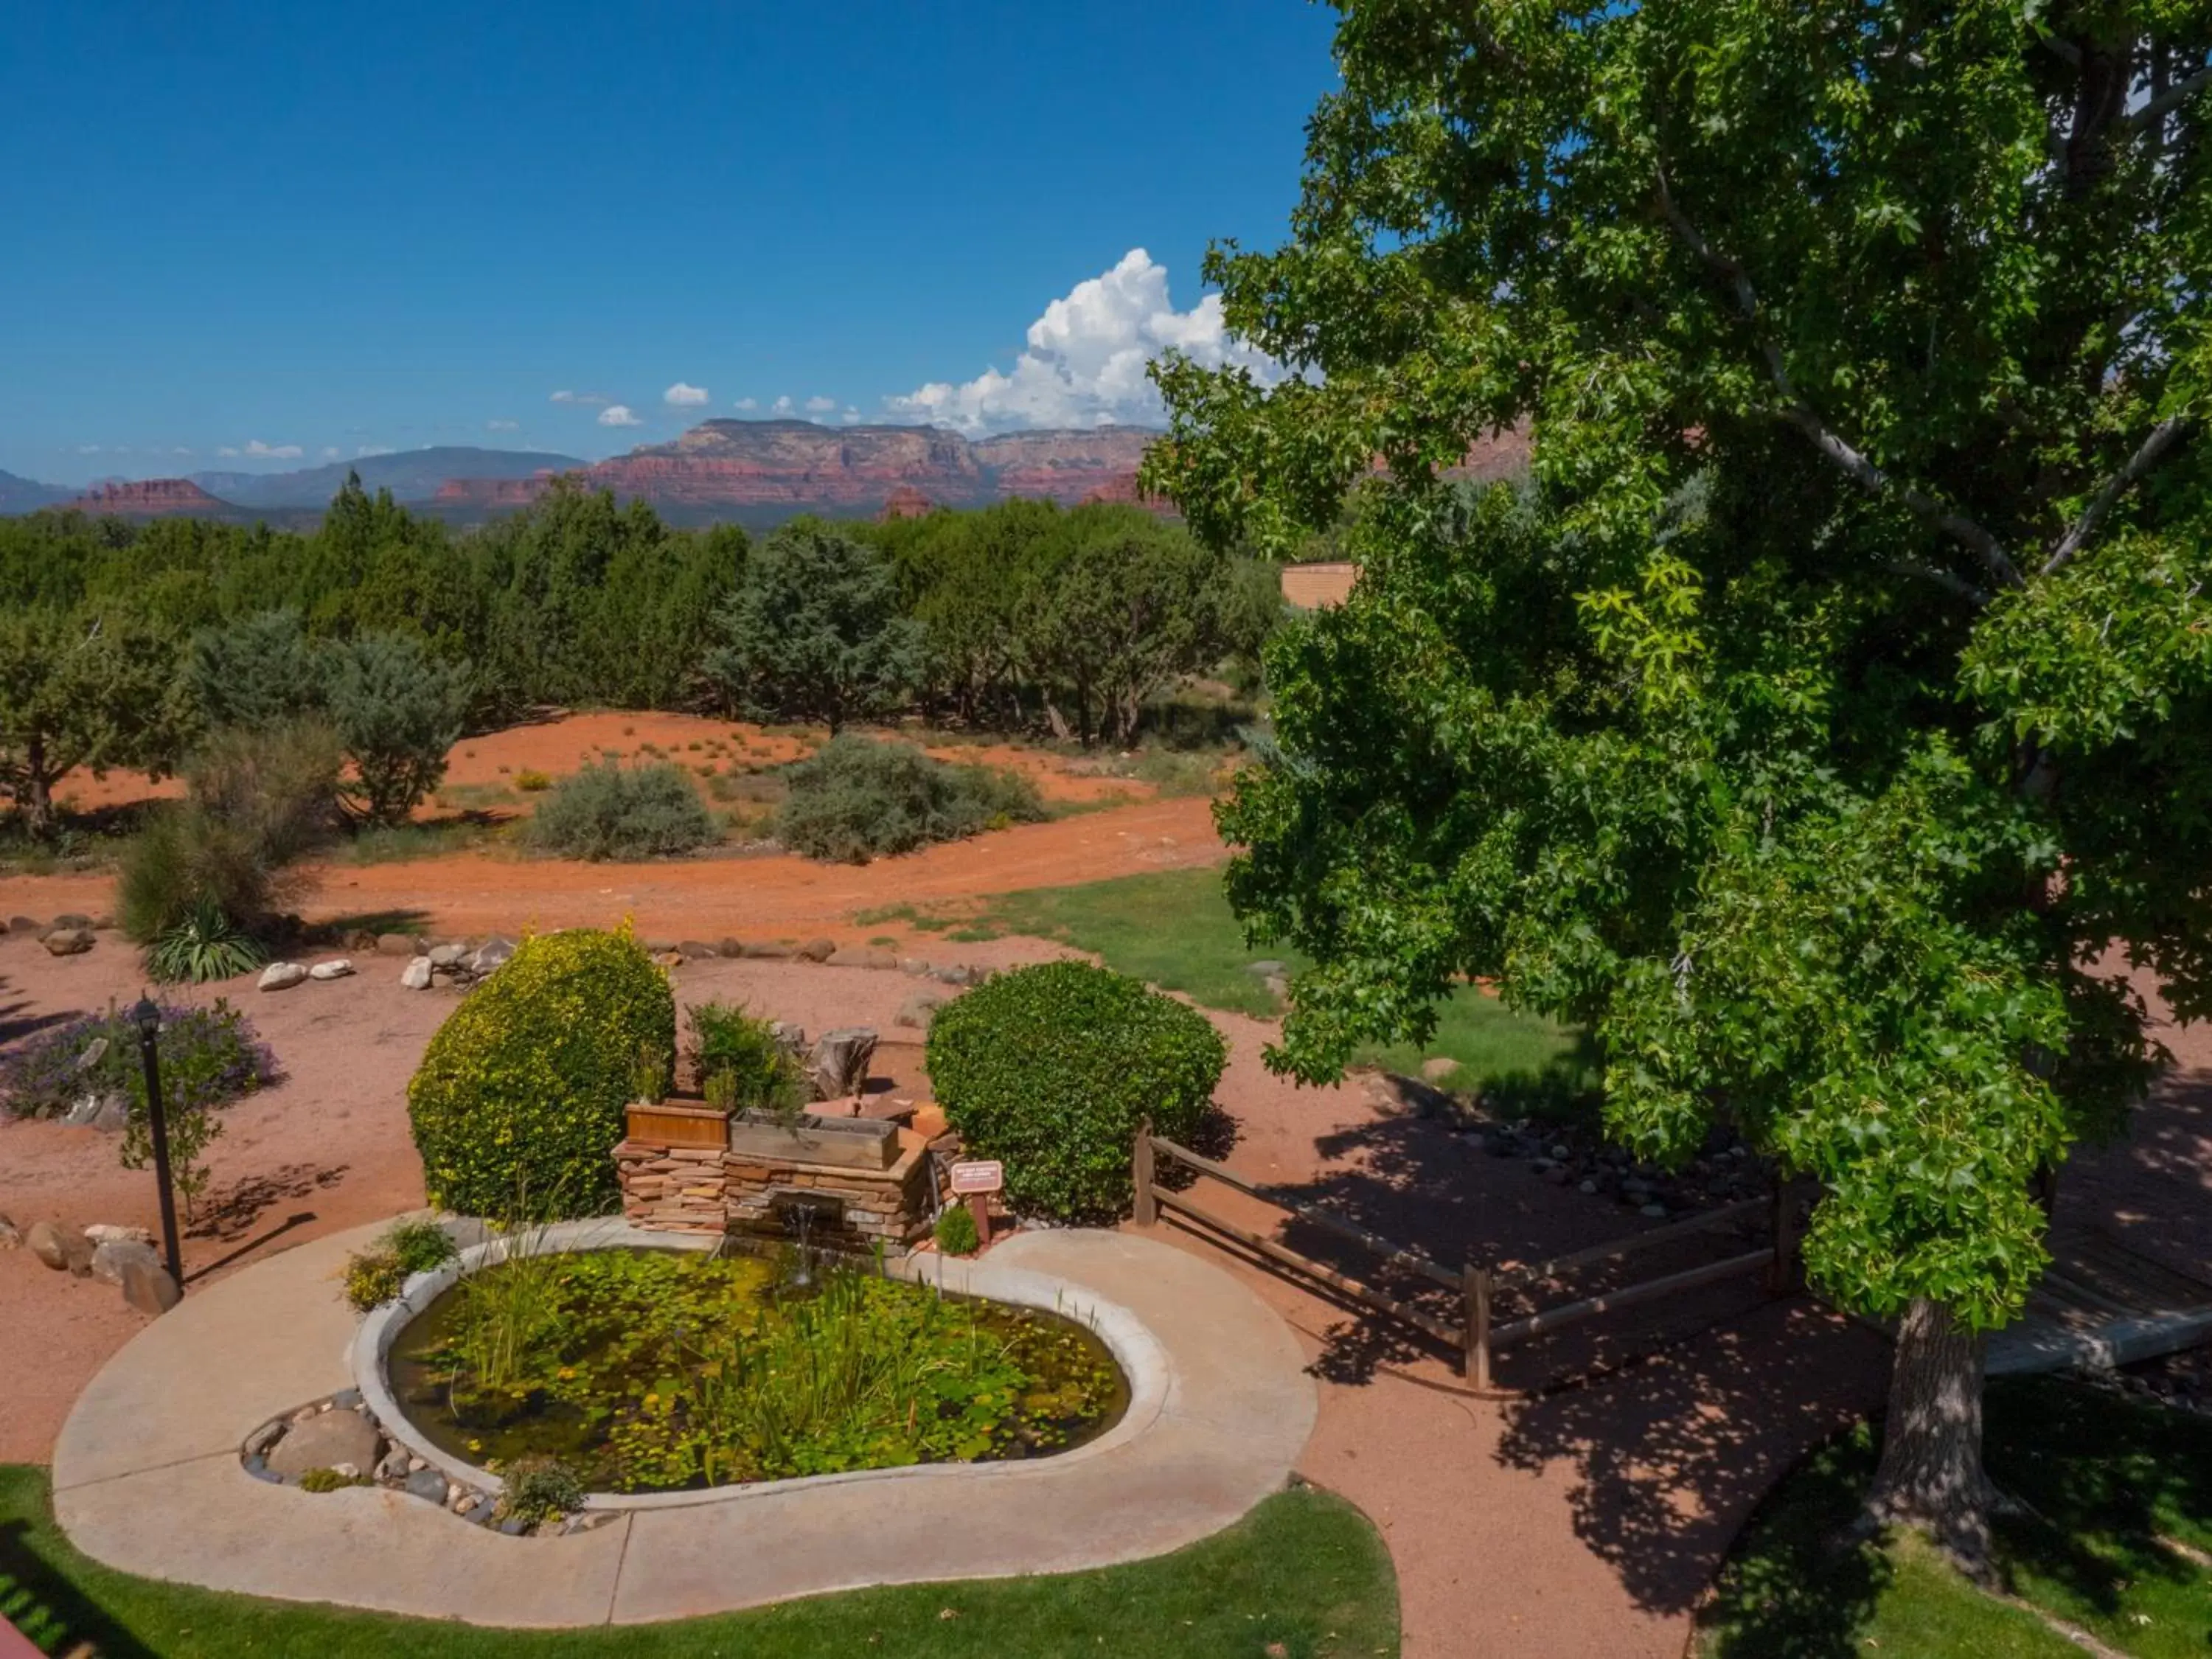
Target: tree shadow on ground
20,1017
51,1611
230,1210
338,929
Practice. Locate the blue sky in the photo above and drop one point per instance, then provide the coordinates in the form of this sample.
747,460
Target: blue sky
331,230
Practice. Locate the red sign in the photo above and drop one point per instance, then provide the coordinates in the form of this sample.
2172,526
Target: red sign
982,1177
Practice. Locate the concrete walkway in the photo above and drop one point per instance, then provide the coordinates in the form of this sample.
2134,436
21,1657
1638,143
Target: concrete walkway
147,1475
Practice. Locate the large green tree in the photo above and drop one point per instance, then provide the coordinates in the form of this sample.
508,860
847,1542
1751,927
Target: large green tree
1836,697
81,689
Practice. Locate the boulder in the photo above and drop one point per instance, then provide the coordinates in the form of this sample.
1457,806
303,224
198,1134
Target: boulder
336,968
817,949
398,944
323,1442
10,1238
416,976
111,1256
957,974
57,1246
148,1288
72,919
428,1485
854,957
25,924
669,958
696,950
101,1108
731,948
918,1008
283,975
447,955
102,1232
837,1065
67,941
493,953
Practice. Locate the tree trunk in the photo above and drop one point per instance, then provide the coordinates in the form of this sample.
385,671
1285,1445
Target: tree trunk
39,789
1930,1478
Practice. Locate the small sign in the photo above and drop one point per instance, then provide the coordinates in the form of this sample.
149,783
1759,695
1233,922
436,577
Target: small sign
982,1177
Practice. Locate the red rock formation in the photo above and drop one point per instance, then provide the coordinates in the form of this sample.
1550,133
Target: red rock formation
150,496
794,464
1067,466
493,494
906,503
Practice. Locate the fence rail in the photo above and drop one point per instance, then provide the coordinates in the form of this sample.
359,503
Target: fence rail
1477,1337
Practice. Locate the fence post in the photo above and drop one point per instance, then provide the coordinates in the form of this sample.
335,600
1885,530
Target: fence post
1474,1365
1781,1278
1147,1207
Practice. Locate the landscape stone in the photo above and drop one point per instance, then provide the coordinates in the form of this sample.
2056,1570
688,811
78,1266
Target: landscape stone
110,1255
324,1442
94,1052
447,955
731,948
817,949
10,1238
283,975
416,976
72,919
428,1484
918,1009
854,957
670,958
148,1288
493,953
103,1109
398,944
513,1525
914,965
67,941
25,924
263,1438
697,950
336,968
50,1242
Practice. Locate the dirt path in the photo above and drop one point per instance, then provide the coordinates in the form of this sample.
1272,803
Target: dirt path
769,897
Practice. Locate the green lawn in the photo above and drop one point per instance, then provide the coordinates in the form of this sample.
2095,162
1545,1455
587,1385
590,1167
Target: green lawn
1302,1575
1175,930
2109,1487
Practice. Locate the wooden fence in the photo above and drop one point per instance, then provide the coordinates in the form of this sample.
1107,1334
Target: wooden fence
1477,1337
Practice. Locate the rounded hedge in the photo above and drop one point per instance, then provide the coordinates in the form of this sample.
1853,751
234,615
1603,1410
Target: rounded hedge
521,1094
1052,1068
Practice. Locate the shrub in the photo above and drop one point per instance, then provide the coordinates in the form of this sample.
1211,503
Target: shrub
521,1094
855,799
397,710
210,1056
215,866
739,1064
373,1277
321,1480
956,1231
530,780
207,945
257,672
1052,1068
613,812
420,1247
538,1490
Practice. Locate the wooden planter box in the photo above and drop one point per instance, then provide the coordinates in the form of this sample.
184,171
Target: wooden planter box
848,1143
679,1123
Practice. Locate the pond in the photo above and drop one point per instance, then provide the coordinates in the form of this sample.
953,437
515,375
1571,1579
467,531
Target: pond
660,1370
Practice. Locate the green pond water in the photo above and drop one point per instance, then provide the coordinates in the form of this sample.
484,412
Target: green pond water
658,1370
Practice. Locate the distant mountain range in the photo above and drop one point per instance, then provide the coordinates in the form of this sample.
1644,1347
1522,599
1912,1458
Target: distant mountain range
756,473
411,475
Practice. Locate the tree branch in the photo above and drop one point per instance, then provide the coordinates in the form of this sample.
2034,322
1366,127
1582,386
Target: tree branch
2161,439
1943,578
2165,102
1803,415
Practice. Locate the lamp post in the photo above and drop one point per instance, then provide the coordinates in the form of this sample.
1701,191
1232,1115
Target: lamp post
147,1018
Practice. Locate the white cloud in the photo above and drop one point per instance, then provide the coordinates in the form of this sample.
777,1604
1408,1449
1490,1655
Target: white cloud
681,396
589,400
329,452
820,405
502,426
849,415
781,406
87,449
181,450
746,403
364,450
618,415
255,450
226,450
1085,364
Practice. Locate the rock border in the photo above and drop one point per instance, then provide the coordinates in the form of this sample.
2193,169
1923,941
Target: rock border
1143,1360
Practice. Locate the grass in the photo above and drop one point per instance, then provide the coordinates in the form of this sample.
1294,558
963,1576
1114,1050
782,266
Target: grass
2111,1487
1175,930
402,843
1302,1575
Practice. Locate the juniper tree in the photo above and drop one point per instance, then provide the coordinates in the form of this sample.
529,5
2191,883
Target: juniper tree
1837,695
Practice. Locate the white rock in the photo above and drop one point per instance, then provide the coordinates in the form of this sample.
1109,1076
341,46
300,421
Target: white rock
445,956
336,969
416,976
101,1232
282,976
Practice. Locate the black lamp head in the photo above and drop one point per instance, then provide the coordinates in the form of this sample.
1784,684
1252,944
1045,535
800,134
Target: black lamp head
145,1016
